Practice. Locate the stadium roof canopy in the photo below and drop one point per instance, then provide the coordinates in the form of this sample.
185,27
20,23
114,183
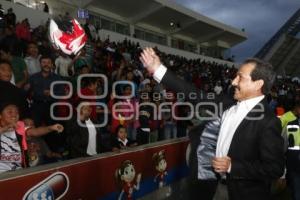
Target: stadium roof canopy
283,48
161,13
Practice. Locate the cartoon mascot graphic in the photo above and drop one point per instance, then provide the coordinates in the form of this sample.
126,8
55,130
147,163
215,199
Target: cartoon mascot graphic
125,176
160,162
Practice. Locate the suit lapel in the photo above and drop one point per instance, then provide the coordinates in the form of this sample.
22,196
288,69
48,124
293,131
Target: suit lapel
257,113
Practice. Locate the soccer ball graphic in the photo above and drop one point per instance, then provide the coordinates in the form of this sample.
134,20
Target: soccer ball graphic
69,42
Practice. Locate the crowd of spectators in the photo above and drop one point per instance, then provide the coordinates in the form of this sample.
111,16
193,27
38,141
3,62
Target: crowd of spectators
29,65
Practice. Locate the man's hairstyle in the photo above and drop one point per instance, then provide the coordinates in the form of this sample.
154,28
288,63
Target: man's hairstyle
31,43
45,56
87,81
83,66
262,71
3,105
6,48
5,62
118,129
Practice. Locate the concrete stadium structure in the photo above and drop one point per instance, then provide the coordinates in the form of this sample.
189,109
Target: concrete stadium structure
283,49
171,27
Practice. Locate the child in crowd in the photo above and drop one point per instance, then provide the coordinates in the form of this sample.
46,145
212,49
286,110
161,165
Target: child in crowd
121,141
38,151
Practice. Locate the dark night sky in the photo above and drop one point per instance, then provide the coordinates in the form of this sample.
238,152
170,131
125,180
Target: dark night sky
260,18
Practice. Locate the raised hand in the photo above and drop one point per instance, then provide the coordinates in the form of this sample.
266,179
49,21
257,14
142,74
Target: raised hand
150,60
139,176
138,180
57,127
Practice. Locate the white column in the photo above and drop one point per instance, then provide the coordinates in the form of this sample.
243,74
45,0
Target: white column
131,29
169,41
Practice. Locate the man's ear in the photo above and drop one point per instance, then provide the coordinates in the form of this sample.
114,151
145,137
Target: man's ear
259,84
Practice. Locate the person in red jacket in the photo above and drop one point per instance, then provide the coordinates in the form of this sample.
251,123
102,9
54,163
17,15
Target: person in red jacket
23,30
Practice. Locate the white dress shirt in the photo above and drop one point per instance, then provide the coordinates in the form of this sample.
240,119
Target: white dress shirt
231,119
91,148
123,142
159,73
62,65
33,64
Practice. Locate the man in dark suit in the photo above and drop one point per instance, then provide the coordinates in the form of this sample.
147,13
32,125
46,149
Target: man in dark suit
249,153
83,137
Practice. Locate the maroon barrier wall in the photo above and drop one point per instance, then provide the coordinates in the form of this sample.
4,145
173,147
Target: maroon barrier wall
94,178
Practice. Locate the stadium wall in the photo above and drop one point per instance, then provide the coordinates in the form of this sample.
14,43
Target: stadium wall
96,177
35,17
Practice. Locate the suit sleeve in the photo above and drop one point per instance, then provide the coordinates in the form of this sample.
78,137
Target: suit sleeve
178,85
191,93
271,160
